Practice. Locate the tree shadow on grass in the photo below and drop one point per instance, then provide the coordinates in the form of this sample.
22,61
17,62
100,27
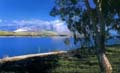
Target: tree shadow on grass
31,65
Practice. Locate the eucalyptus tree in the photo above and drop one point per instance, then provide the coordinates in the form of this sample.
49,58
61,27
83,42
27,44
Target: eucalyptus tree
93,19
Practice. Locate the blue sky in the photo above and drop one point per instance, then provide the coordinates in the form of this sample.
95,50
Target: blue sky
24,13
26,9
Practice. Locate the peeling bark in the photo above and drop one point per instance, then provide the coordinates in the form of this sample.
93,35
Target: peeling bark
107,65
104,63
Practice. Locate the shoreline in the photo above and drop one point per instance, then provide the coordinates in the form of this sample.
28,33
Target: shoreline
38,36
22,57
72,62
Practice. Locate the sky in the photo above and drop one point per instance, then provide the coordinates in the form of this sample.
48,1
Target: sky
28,12
26,9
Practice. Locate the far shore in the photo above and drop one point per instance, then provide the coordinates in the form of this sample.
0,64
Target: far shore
1,36
32,34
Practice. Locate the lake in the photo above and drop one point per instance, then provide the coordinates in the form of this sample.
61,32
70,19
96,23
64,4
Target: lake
15,46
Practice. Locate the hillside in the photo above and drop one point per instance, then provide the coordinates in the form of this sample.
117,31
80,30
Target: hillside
43,33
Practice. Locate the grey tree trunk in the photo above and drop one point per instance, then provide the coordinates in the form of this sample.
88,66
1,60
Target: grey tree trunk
104,63
100,42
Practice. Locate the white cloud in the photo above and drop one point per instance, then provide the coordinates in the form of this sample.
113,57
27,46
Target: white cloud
54,25
59,26
20,30
1,20
27,22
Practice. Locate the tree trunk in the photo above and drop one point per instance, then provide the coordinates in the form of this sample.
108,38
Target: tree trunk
104,63
100,41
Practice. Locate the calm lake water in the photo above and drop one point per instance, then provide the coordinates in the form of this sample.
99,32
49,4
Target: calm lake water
14,46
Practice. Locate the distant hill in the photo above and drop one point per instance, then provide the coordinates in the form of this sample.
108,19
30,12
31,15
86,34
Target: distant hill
35,26
23,33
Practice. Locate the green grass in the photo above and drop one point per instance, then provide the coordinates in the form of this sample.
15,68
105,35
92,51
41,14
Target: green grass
88,63
76,61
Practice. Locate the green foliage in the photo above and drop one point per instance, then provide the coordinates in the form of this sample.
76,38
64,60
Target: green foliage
67,41
92,22
82,18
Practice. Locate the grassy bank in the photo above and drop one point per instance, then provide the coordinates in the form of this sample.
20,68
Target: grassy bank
42,33
85,62
28,33
76,61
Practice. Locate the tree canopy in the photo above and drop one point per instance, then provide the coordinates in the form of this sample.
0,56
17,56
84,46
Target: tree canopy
93,19
82,16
